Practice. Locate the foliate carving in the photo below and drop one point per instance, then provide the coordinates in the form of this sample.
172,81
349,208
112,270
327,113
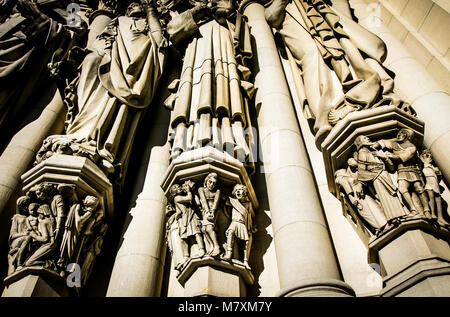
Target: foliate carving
54,227
385,182
209,221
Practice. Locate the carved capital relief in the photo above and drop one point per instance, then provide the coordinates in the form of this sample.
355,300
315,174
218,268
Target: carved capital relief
210,213
382,174
53,227
61,219
209,221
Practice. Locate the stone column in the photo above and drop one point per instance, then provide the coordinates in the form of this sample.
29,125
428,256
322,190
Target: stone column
24,145
140,259
416,86
307,262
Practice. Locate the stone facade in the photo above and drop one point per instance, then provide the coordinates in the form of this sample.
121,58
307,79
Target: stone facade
224,148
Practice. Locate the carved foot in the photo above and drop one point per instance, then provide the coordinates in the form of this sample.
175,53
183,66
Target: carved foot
247,266
335,115
226,256
201,253
215,252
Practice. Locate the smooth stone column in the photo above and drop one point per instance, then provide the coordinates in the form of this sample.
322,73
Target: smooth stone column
139,262
306,258
415,85
21,150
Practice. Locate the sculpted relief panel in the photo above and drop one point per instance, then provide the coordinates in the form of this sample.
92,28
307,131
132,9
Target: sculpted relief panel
54,227
388,181
209,221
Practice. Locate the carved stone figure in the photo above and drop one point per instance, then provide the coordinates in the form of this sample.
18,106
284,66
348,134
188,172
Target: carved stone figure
372,171
210,197
241,226
340,62
45,238
76,218
19,237
188,220
404,154
117,82
360,196
93,250
209,100
174,242
432,176
32,34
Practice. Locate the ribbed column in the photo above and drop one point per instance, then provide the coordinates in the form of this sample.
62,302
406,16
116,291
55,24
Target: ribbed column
306,258
416,86
139,261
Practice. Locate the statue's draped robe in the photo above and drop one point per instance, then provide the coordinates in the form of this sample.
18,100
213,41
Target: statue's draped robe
116,83
210,104
367,207
26,47
371,170
338,62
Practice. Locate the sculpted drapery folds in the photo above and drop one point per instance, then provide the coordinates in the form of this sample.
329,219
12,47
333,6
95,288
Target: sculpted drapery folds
209,100
32,34
117,83
336,63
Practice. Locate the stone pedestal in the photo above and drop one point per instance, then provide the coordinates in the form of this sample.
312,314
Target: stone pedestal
210,277
36,283
414,259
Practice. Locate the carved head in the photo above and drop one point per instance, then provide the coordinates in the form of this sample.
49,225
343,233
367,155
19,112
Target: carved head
362,140
90,203
174,190
135,10
211,181
240,191
188,186
44,211
405,134
426,156
32,209
22,205
44,191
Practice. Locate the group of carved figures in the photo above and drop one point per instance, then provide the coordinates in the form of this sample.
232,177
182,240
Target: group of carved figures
387,181
53,228
205,222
